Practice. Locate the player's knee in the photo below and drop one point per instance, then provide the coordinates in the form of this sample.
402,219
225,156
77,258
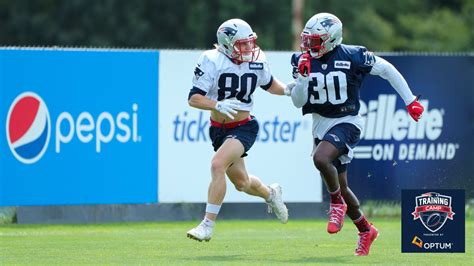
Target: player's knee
321,162
242,184
218,166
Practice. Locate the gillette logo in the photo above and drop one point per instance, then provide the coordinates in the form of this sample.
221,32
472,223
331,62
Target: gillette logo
342,64
384,123
28,127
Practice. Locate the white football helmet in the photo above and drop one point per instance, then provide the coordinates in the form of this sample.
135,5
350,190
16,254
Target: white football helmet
236,39
321,34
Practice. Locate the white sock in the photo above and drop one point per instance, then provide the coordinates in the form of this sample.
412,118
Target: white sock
271,195
208,222
213,208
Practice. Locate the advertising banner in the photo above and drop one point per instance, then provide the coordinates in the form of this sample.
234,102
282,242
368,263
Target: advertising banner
281,154
78,127
114,126
437,152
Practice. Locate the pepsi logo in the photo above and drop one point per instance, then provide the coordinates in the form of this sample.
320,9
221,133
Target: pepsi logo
28,127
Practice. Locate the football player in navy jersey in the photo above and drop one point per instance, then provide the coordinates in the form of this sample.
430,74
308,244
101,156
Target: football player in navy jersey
328,76
224,81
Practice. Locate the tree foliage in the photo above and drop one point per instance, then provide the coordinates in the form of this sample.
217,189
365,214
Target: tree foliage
384,25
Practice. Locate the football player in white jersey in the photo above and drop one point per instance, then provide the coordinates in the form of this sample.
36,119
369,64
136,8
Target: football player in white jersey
225,79
328,78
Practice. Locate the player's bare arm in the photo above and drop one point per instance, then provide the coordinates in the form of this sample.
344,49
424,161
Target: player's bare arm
279,88
202,102
224,111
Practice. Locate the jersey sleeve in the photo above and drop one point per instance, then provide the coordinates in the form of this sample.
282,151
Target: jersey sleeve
363,59
203,78
265,77
387,71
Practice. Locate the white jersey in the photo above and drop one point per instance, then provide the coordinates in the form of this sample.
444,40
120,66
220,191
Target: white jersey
219,78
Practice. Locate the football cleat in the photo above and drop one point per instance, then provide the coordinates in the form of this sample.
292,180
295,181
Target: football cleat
336,217
277,205
365,241
200,233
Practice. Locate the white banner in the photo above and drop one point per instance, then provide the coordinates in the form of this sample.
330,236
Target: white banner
281,153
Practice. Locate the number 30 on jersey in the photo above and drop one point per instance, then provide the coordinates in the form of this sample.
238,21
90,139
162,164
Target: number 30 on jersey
331,87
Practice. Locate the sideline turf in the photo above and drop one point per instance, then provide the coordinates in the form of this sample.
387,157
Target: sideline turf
234,242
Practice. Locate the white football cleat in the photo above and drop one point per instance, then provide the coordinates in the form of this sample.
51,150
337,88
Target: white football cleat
200,233
277,205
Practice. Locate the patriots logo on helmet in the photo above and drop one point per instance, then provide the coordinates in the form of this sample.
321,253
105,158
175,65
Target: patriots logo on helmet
433,209
230,32
328,22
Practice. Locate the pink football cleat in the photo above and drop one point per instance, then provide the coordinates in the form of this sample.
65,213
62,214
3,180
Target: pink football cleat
365,241
336,217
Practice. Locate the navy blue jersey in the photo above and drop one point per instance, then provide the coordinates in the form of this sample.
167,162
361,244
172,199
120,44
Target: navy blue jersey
336,79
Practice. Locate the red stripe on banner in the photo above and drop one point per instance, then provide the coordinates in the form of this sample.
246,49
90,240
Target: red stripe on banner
434,208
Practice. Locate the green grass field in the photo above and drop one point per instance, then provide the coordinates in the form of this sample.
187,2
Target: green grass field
234,242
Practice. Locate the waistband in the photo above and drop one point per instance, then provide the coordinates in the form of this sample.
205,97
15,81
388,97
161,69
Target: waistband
231,125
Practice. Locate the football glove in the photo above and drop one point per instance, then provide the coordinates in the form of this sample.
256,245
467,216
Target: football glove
228,107
304,64
415,109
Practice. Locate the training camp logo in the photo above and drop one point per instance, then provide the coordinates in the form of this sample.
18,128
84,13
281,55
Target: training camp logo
433,209
424,220
28,127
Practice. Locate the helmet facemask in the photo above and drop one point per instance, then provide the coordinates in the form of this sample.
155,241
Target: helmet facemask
316,44
321,34
246,50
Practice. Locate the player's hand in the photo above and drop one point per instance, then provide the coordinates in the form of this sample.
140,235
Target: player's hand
228,107
289,87
415,109
304,64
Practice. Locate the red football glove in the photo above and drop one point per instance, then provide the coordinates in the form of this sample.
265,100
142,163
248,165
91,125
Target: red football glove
304,64
415,109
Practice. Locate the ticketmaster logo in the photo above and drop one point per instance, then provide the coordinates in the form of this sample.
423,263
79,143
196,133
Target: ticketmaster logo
194,127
